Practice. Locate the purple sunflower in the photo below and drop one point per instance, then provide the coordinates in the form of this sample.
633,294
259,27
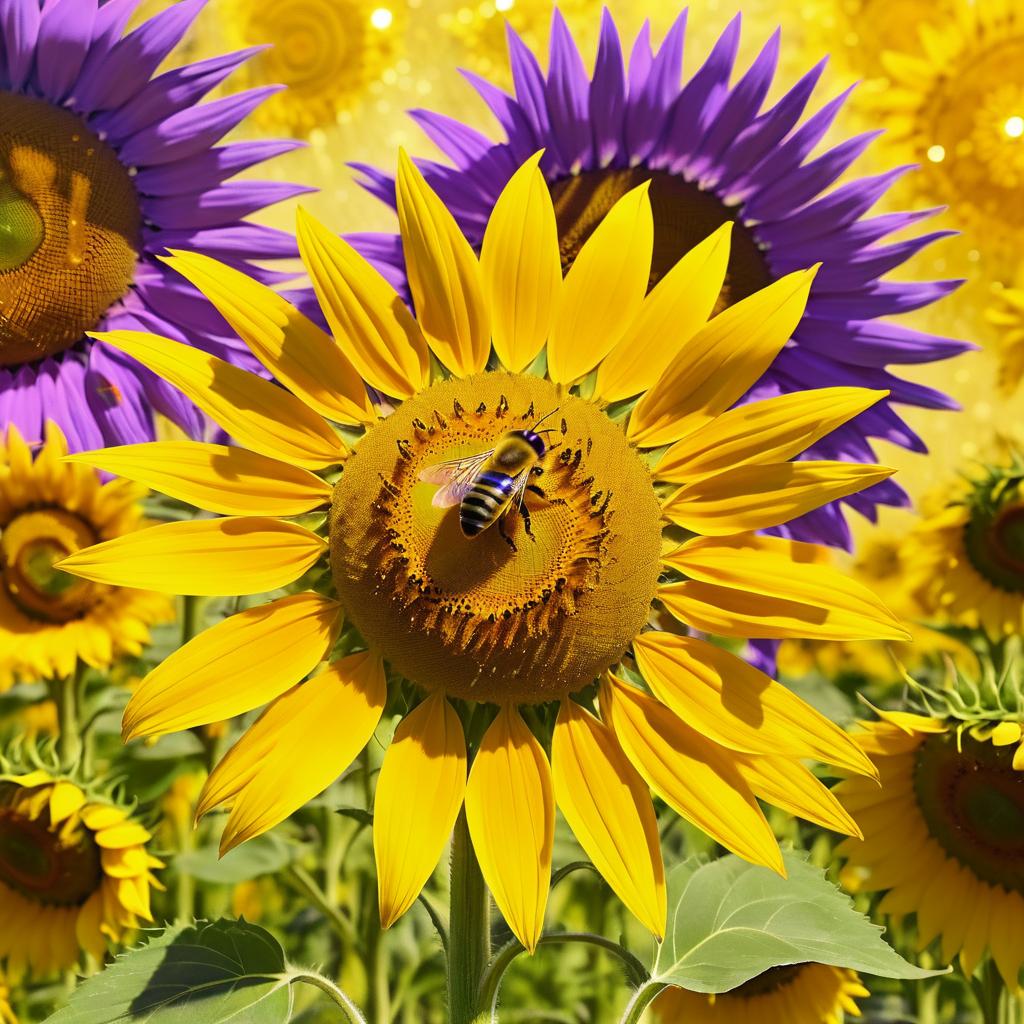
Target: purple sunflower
713,153
103,167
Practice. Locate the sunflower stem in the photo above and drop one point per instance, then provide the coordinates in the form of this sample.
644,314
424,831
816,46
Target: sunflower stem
349,1008
65,695
469,928
642,998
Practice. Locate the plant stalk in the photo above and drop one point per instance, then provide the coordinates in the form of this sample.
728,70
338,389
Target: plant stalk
469,928
69,741
642,998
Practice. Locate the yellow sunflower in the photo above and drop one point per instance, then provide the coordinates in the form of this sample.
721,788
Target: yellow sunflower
958,108
944,833
1006,314
74,872
965,562
794,994
558,594
7,1014
48,619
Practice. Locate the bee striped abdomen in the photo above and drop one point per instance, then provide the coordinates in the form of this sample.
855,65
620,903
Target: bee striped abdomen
482,505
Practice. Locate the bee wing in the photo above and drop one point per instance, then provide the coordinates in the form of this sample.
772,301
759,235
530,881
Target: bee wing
455,478
519,488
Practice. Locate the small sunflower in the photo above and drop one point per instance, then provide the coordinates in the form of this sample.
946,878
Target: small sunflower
965,562
49,619
958,108
1006,314
104,163
944,832
645,491
74,873
794,994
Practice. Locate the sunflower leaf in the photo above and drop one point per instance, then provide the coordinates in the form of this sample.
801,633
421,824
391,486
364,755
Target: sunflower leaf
202,973
730,921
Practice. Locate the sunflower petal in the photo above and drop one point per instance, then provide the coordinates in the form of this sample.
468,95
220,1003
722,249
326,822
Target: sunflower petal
788,784
297,747
65,799
759,496
720,363
288,344
610,812
735,705
770,588
521,267
444,275
257,414
510,810
206,557
676,308
214,477
697,779
237,665
770,431
604,289
371,323
419,793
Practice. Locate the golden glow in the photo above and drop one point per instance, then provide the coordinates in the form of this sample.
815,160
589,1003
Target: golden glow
1014,126
936,154
381,18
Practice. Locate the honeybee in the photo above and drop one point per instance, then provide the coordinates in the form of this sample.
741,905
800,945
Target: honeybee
488,485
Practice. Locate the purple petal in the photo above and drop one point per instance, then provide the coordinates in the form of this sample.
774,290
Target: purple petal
881,298
24,408
463,145
378,183
385,253
567,94
860,268
762,655
65,34
607,100
531,94
646,108
74,415
875,344
198,173
244,241
115,396
110,22
515,124
19,30
233,201
172,298
641,58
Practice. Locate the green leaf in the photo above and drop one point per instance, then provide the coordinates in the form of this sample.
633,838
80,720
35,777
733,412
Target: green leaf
263,855
730,921
196,974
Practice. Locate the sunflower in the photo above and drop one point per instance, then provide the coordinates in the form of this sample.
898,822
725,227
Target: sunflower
944,833
958,108
532,610
329,53
711,157
965,562
74,872
102,166
48,619
794,994
7,1014
1006,314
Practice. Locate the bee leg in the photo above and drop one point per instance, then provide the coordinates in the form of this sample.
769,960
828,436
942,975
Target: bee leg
504,536
527,524
534,489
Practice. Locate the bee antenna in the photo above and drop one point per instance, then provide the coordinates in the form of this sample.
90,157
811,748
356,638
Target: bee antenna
544,417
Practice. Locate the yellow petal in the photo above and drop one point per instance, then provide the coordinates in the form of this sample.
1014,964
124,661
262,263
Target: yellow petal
676,308
419,792
510,809
698,779
735,705
100,816
288,344
521,267
65,799
371,323
257,414
759,496
770,431
206,557
214,477
770,588
237,665
297,747
444,275
720,363
610,812
604,289
126,833
1018,758
789,785
1006,733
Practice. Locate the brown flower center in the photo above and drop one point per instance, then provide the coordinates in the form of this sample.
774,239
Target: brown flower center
973,802
29,546
55,865
684,215
69,229
994,536
541,601
767,982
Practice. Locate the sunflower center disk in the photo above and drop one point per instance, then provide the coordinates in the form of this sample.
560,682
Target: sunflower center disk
769,981
53,865
973,802
684,215
29,546
528,616
994,539
69,229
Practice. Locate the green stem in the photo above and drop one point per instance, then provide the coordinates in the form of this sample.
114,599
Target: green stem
185,889
351,1011
642,998
302,880
189,616
469,928
69,741
928,1001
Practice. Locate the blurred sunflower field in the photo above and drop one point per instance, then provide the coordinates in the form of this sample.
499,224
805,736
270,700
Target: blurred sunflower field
511,512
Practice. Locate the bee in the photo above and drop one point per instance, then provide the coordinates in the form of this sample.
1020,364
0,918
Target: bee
488,485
